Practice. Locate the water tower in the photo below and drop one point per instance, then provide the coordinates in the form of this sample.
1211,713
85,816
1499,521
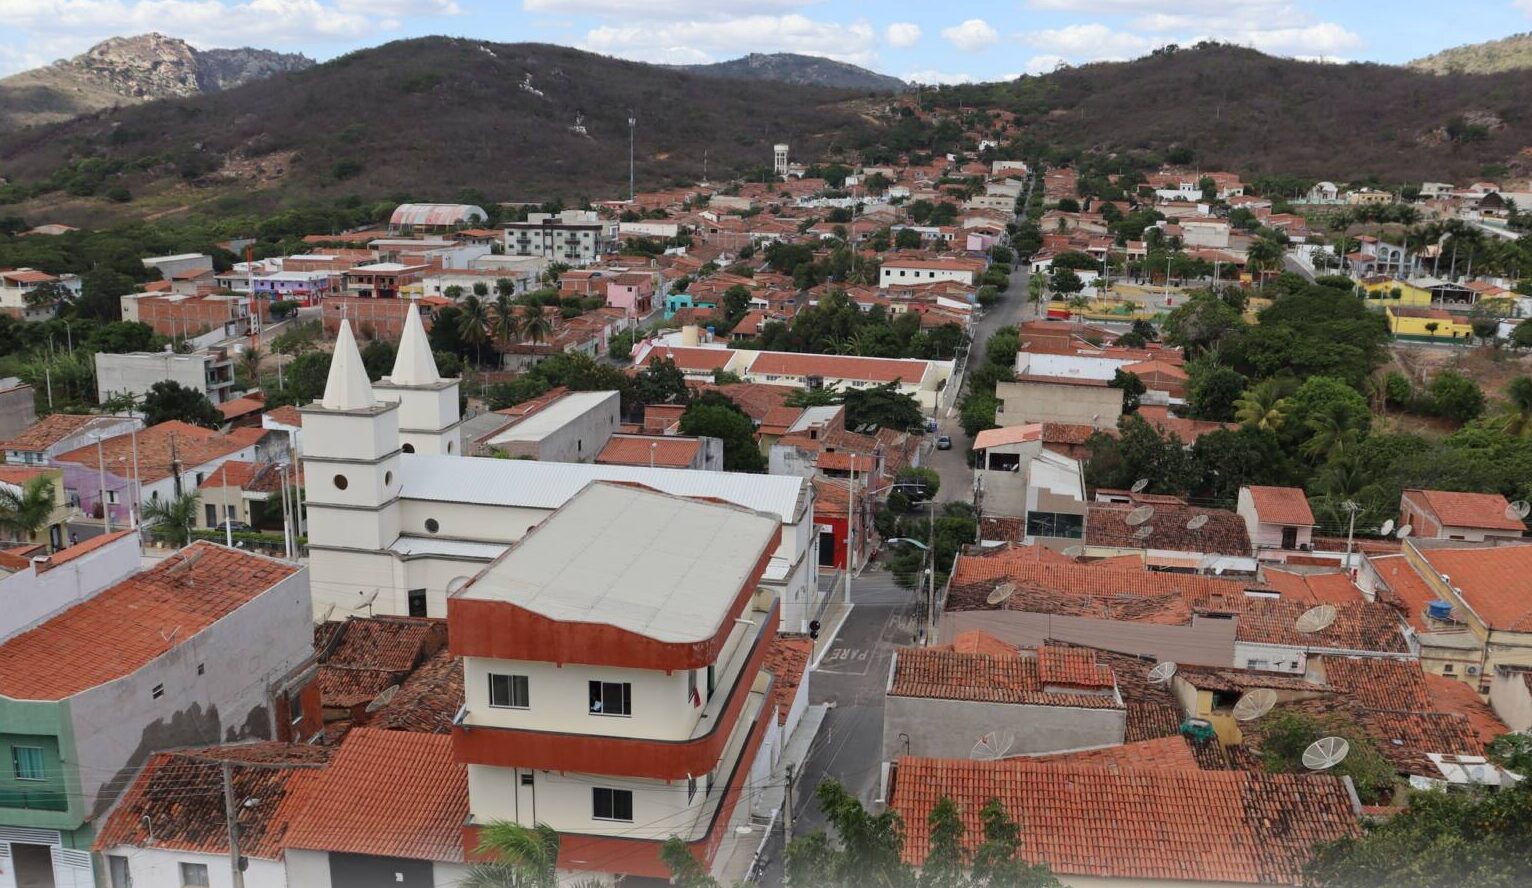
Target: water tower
779,158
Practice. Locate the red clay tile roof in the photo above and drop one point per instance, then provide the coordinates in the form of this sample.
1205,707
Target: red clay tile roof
1402,736
1281,505
1223,534
85,547
1167,753
1378,683
1405,590
788,661
1315,588
659,417
1478,510
1067,432
1188,430
176,803
1360,626
20,476
779,419
691,358
1451,695
287,415
1026,566
371,654
126,626
390,794
977,642
1240,680
755,398
195,446
1135,823
231,473
838,367
1496,582
643,450
986,678
48,431
429,699
1075,667
237,407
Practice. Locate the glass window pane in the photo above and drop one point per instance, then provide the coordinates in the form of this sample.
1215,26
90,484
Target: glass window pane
29,762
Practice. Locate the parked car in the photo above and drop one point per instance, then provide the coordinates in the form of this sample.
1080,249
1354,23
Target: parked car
235,526
944,442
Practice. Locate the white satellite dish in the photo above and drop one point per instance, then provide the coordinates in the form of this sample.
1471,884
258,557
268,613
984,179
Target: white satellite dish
1404,531
1139,485
1143,533
1325,753
456,583
1197,522
1315,619
1387,528
1001,593
328,611
1519,510
1139,516
383,698
367,599
1254,704
1162,672
992,746
1073,552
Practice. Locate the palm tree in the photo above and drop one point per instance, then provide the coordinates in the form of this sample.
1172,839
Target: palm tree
24,510
519,857
1262,256
250,366
473,327
535,326
1333,433
1516,420
173,518
505,287
1263,406
506,325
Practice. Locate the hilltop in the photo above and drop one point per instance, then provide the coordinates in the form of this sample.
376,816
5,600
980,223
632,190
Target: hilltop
789,67
129,71
1508,54
1239,109
435,117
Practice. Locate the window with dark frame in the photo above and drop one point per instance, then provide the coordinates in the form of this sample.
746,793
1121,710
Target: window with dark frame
194,875
27,763
612,804
611,698
509,692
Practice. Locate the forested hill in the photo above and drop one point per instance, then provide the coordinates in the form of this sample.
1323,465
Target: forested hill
1239,109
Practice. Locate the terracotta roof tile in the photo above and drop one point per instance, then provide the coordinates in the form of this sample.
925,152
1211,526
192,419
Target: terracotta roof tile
988,678
364,655
429,699
1478,510
788,661
779,419
1451,695
195,446
1223,534
1281,505
176,802
48,431
1135,823
287,415
1378,683
643,450
1496,582
126,626
1314,588
1168,753
878,370
389,794
1402,736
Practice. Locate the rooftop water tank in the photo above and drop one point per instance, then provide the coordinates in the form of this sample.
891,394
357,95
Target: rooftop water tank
1439,610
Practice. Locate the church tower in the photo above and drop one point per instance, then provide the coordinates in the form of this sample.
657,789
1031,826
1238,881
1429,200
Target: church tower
352,482
429,418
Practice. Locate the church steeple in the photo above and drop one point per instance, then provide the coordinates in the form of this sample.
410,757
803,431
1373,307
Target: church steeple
414,365
347,387
429,415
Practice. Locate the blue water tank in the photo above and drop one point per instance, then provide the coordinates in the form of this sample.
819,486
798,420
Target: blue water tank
1439,610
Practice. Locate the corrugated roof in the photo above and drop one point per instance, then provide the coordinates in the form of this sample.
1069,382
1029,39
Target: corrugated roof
436,214
1010,435
546,485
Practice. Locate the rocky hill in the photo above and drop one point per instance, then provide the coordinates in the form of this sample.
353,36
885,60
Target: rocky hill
128,71
1509,54
788,67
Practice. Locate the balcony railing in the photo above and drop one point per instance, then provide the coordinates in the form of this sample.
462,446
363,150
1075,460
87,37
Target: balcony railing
34,800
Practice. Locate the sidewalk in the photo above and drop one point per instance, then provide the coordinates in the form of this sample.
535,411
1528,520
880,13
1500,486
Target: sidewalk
769,800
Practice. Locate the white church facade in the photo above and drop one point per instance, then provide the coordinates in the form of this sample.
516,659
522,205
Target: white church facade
399,518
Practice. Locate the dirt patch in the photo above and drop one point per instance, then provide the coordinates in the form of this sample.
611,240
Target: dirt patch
1492,368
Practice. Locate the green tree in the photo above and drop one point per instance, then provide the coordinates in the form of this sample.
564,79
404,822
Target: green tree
518,856
884,407
506,325
120,337
1286,733
1516,417
946,859
167,400
1264,406
1456,397
1132,387
306,376
473,325
715,416
1201,322
907,239
1513,752
1214,393
535,326
997,863
173,518
1065,282
867,853
661,382
250,366
25,510
1521,334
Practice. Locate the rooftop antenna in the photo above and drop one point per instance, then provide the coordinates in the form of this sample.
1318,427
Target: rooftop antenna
1161,673
1144,532
632,123
1254,704
992,746
1139,485
1325,753
383,698
328,612
1073,551
1197,522
170,639
1519,510
1139,516
1404,531
1001,593
367,600
1315,618
1387,528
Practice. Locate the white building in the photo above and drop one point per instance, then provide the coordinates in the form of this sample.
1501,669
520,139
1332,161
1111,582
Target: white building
575,237
573,428
180,263
399,517
612,665
896,271
209,372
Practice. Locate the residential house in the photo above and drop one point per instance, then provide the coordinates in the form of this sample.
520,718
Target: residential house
1453,515
17,286
1179,536
1427,323
209,372
250,493
58,433
669,451
613,669
18,409
180,263
1045,399
54,530
1019,476
897,270
383,280
631,291
182,654
1277,519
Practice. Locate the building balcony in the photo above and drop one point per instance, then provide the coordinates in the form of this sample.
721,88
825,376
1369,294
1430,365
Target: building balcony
480,744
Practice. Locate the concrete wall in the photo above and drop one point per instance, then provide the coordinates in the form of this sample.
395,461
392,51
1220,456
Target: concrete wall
1206,642
135,373
950,728
579,439
311,869
1512,699
28,597
216,685
18,410
1024,402
161,868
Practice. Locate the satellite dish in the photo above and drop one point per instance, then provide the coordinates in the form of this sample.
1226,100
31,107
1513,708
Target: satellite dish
1162,672
1218,571
367,600
1001,593
1143,533
1404,531
383,698
1519,510
1387,528
1315,619
1254,704
328,611
1197,522
456,584
1325,753
1073,552
1139,516
1139,485
992,746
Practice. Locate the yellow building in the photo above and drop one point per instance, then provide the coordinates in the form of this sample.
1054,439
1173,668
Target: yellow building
54,531
1383,288
1426,323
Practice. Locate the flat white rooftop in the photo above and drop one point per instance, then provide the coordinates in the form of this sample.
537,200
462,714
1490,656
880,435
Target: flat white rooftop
555,416
665,567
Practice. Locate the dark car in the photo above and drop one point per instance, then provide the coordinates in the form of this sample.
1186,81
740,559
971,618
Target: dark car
944,442
235,526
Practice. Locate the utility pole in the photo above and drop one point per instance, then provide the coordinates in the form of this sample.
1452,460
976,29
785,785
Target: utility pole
787,812
228,813
850,528
1352,507
632,123
228,520
931,594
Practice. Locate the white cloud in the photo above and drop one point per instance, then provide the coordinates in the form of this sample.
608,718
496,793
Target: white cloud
1042,64
971,35
1281,27
936,77
690,42
1093,42
902,34
400,7
652,10
1524,6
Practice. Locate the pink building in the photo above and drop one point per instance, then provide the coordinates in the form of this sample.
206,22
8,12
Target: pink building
631,291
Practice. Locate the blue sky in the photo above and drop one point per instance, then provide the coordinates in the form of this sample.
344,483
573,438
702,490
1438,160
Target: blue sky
928,42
